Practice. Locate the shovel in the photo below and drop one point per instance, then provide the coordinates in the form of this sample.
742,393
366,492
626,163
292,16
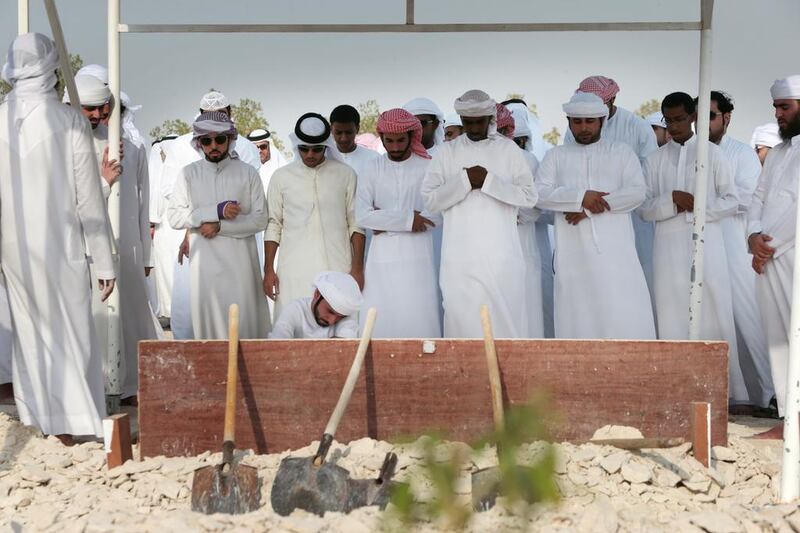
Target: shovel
310,483
378,491
486,481
228,487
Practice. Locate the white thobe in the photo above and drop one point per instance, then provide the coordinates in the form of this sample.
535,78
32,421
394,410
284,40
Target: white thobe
634,131
773,212
134,248
752,343
672,168
179,154
528,239
265,172
400,275
600,289
482,260
163,253
50,204
361,160
224,270
311,217
297,322
6,334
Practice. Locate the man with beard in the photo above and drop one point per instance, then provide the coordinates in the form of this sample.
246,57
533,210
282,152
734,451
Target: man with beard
329,313
220,201
593,186
400,275
479,182
771,228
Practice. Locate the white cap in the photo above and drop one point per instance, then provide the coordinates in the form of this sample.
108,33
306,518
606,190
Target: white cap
341,291
786,89
585,105
656,119
213,101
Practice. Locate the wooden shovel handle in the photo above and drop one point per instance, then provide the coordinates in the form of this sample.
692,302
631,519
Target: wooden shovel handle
352,377
233,371
494,368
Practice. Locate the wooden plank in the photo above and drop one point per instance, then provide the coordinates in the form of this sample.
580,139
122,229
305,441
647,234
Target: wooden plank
701,432
410,28
117,437
287,389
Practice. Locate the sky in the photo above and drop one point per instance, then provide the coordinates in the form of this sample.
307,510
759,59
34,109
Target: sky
291,74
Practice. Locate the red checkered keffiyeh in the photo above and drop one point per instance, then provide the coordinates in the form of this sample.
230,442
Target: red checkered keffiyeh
505,120
401,121
605,88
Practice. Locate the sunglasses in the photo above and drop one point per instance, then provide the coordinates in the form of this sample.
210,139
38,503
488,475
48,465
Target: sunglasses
263,147
315,149
219,139
427,121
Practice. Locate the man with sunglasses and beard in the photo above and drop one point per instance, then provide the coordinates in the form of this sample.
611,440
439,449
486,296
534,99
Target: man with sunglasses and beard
331,312
311,216
400,274
771,229
220,201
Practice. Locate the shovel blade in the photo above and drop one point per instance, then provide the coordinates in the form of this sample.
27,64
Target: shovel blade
299,484
365,492
237,491
485,488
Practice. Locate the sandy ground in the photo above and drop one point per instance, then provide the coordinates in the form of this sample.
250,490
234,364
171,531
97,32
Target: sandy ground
45,486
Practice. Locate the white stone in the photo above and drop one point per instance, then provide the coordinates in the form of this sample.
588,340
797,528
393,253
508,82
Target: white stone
612,463
634,472
617,432
34,474
721,453
716,522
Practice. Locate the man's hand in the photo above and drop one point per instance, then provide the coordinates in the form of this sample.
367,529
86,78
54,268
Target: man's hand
110,170
209,230
758,265
476,175
271,284
421,223
594,202
183,249
152,231
575,217
106,288
684,201
231,210
761,251
147,271
358,275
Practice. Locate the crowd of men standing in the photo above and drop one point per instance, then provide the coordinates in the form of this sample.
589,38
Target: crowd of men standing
589,239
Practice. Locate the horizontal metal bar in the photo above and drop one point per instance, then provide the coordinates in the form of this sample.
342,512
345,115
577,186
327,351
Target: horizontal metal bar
409,28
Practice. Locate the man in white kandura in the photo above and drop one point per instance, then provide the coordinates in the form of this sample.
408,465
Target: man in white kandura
133,242
311,216
593,186
670,178
50,199
345,123
526,225
771,229
220,201
752,343
400,276
331,312
171,245
624,126
765,138
478,182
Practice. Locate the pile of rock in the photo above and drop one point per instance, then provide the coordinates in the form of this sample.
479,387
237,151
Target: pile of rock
45,486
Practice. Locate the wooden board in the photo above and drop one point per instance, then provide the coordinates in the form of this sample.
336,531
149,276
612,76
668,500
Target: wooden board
287,389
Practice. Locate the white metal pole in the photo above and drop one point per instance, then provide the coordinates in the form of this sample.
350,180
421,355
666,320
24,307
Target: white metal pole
63,54
790,471
701,176
23,24
114,362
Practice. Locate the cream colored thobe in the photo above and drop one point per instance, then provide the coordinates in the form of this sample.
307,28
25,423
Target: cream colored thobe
672,168
400,274
773,212
224,270
134,242
752,343
311,217
51,204
482,261
600,289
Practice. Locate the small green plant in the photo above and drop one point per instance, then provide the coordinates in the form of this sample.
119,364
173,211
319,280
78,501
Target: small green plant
519,484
